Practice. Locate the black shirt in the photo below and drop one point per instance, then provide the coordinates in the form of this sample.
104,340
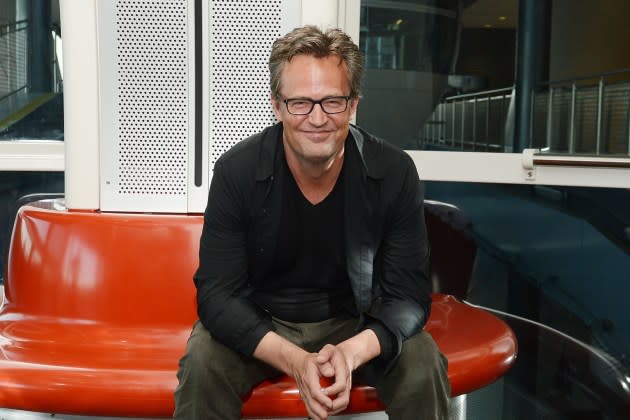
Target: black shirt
386,244
308,281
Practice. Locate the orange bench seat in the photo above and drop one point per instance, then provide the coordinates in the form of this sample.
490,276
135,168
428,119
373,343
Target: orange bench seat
98,308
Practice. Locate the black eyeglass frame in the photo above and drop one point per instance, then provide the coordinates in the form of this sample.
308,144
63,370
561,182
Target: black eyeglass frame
314,102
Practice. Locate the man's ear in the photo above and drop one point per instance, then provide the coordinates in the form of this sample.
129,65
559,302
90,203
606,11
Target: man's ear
354,103
276,105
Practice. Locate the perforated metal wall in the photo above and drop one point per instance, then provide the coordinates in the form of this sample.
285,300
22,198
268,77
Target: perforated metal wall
240,38
162,124
151,102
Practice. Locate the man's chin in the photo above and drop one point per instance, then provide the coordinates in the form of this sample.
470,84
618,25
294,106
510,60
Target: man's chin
318,158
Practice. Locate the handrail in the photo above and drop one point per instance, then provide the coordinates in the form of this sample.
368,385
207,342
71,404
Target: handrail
580,161
17,22
477,94
16,46
13,93
536,157
14,25
599,110
590,77
559,121
469,115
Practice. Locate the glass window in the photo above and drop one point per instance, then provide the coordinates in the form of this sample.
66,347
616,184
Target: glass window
31,82
31,100
409,49
554,261
451,70
417,39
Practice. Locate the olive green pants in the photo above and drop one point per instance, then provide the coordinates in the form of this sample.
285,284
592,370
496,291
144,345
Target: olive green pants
212,378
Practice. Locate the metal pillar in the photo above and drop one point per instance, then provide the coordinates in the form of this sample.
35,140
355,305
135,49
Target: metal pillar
40,47
531,64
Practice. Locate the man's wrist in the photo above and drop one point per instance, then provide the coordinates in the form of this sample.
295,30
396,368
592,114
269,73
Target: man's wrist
361,348
279,352
386,339
292,356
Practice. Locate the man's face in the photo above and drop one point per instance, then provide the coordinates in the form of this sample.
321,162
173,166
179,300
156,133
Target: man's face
317,137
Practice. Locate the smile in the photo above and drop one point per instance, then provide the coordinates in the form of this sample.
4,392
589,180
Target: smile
317,134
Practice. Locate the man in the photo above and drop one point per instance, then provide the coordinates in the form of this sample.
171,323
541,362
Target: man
313,256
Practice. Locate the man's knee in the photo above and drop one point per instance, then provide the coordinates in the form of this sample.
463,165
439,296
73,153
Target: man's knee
208,364
421,368
417,386
205,358
207,388
420,359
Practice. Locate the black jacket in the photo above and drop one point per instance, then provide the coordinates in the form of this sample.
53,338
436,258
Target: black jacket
386,242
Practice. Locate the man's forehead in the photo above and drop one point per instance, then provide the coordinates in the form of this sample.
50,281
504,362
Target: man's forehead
312,61
316,56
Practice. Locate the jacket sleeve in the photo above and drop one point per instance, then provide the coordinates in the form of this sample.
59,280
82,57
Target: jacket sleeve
402,267
222,278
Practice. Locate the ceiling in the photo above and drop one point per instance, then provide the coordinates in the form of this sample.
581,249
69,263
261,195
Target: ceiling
491,14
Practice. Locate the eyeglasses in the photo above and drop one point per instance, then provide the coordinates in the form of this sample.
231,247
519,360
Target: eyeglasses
304,106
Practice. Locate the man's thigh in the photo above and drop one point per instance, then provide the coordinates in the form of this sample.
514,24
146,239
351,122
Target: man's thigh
220,363
420,371
313,336
208,360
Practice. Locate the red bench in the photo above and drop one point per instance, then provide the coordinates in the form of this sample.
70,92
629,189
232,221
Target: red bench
98,308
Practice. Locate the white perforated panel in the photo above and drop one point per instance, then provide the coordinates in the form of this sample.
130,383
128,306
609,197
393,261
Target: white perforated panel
241,34
151,108
167,67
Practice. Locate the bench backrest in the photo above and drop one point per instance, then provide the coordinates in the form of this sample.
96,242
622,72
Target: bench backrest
129,270
136,269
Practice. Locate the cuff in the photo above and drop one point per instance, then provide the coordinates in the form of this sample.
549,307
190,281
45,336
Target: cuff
386,339
250,341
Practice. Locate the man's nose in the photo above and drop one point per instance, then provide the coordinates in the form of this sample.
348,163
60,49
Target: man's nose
317,115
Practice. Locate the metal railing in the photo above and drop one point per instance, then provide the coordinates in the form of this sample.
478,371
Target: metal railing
587,115
474,122
13,58
583,116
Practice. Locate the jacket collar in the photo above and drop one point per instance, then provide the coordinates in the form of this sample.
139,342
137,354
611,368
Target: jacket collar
367,147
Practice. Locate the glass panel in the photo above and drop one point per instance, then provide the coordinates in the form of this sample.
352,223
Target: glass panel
407,40
557,261
409,49
31,98
423,56
31,82
15,190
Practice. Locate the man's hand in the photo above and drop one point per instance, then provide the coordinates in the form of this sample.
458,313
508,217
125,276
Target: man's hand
341,360
307,373
333,362
301,365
